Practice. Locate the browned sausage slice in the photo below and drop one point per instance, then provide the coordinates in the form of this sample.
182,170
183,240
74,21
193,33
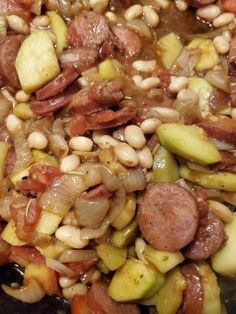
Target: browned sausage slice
12,7
193,294
200,3
208,239
100,302
9,48
57,85
168,216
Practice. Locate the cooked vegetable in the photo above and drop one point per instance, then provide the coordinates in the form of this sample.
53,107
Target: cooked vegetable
36,62
203,89
48,223
112,256
59,29
188,141
23,111
43,158
52,250
9,234
110,69
125,237
4,150
224,181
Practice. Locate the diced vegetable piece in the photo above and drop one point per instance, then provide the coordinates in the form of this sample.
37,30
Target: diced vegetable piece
133,281
36,62
169,47
3,155
112,256
102,267
41,157
23,111
110,69
131,251
188,141
165,167
229,5
9,234
108,158
159,283
223,261
211,290
170,296
46,277
224,181
127,213
125,237
209,56
52,250
203,89
162,260
59,29
19,175
48,223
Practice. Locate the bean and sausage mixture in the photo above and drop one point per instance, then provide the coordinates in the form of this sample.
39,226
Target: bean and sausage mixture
117,152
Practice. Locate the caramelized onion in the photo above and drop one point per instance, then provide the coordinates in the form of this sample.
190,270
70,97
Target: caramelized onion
5,203
221,145
140,27
5,107
74,256
23,153
37,7
30,293
197,167
134,180
218,79
59,267
58,145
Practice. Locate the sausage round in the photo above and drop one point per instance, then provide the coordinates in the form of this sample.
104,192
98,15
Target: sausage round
168,216
208,239
9,48
200,3
193,294
100,302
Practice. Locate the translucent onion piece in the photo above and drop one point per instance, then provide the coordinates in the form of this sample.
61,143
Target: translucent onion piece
30,293
5,107
197,167
5,203
59,198
43,125
73,256
23,153
134,180
221,145
59,267
90,213
58,127
218,79
140,27
37,7
186,62
58,145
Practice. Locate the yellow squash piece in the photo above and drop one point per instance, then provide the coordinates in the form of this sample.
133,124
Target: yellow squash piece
211,290
223,181
59,29
36,62
3,155
9,234
203,89
162,260
223,261
209,56
112,256
188,141
48,223
127,213
169,48
127,236
40,157
170,296
52,250
23,111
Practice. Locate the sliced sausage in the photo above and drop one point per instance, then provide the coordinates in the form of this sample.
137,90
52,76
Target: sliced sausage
91,30
209,238
9,48
58,85
12,7
228,161
79,268
100,302
193,294
202,201
129,42
81,58
168,216
200,3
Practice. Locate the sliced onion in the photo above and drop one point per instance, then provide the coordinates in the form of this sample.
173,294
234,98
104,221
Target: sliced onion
134,180
58,145
186,62
5,107
197,167
43,125
30,293
59,198
90,213
23,153
74,256
221,145
218,79
58,127
5,203
140,27
37,7
59,267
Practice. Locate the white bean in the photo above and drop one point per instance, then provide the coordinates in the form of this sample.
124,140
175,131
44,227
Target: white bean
233,113
77,288
150,16
97,134
111,17
96,276
133,12
209,12
164,114
81,143
144,66
37,140
82,82
69,163
134,136
145,157
164,4
223,19
98,5
227,35
41,21
181,5
178,83
150,125
17,24
126,155
106,141
222,45
21,96
150,82
66,282
137,79
221,211
13,123
70,236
